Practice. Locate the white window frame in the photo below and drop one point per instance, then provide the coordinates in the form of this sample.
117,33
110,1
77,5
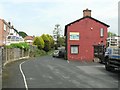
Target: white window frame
74,49
74,36
5,29
101,32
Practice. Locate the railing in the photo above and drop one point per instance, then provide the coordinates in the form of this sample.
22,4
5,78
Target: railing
10,41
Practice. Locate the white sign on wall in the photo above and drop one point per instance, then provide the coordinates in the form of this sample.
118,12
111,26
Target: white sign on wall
74,36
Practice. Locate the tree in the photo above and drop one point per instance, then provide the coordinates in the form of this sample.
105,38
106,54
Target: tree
46,39
23,34
57,33
39,42
111,34
51,40
61,41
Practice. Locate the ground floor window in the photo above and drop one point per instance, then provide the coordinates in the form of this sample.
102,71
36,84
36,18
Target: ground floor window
74,49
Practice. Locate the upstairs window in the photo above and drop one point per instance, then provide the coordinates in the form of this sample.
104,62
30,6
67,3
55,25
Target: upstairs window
5,27
101,32
74,36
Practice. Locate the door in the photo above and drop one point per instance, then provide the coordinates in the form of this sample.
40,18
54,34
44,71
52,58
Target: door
99,51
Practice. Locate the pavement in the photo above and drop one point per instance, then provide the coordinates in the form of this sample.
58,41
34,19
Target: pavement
49,72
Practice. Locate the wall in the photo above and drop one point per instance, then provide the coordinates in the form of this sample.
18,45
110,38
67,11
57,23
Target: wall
9,55
89,31
1,32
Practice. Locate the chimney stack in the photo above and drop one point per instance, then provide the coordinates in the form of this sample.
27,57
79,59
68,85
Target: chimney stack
9,23
87,12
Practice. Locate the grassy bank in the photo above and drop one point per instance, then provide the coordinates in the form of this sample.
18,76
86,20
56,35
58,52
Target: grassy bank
38,53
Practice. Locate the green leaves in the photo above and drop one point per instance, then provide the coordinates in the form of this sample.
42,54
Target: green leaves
111,34
39,42
23,34
23,45
44,42
47,42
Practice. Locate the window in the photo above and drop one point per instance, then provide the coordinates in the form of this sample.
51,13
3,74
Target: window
101,32
74,49
4,27
74,35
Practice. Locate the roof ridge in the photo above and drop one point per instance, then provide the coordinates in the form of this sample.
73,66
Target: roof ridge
87,17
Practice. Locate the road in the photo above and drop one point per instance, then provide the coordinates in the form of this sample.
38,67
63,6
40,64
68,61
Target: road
49,72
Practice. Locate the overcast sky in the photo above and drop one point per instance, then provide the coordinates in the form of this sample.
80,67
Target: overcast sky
36,17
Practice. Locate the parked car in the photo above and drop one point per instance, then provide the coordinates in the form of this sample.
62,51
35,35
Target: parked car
56,53
59,53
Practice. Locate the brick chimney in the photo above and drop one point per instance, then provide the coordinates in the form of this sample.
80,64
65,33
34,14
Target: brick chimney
87,12
9,23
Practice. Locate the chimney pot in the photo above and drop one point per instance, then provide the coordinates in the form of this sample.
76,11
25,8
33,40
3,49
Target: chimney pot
9,23
87,12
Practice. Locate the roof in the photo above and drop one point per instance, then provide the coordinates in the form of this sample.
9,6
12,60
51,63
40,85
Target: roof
29,38
84,18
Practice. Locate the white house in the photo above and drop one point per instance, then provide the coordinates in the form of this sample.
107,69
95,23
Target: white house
113,41
13,37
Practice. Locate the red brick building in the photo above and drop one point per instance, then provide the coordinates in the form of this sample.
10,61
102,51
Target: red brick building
83,36
4,31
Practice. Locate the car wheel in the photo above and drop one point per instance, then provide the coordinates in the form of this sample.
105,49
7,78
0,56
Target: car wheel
107,67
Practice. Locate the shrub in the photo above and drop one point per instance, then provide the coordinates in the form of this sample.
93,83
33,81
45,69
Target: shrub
39,42
23,45
46,39
39,52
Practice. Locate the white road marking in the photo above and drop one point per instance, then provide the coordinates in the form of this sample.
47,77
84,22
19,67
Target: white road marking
24,78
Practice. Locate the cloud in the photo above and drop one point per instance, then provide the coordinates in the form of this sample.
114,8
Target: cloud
44,14
1,11
58,1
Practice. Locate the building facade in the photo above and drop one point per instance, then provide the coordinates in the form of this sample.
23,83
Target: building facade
29,39
8,34
113,41
4,31
83,36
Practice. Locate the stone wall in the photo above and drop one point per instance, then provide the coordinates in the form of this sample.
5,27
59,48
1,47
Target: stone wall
9,55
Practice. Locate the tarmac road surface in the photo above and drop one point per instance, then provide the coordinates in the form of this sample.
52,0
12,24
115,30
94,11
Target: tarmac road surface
49,72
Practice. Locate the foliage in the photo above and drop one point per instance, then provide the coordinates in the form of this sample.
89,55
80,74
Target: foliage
39,52
51,40
23,34
57,30
44,42
39,42
57,33
46,39
24,46
61,41
111,34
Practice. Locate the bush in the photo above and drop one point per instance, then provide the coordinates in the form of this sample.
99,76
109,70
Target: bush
39,52
24,46
46,39
39,42
51,40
